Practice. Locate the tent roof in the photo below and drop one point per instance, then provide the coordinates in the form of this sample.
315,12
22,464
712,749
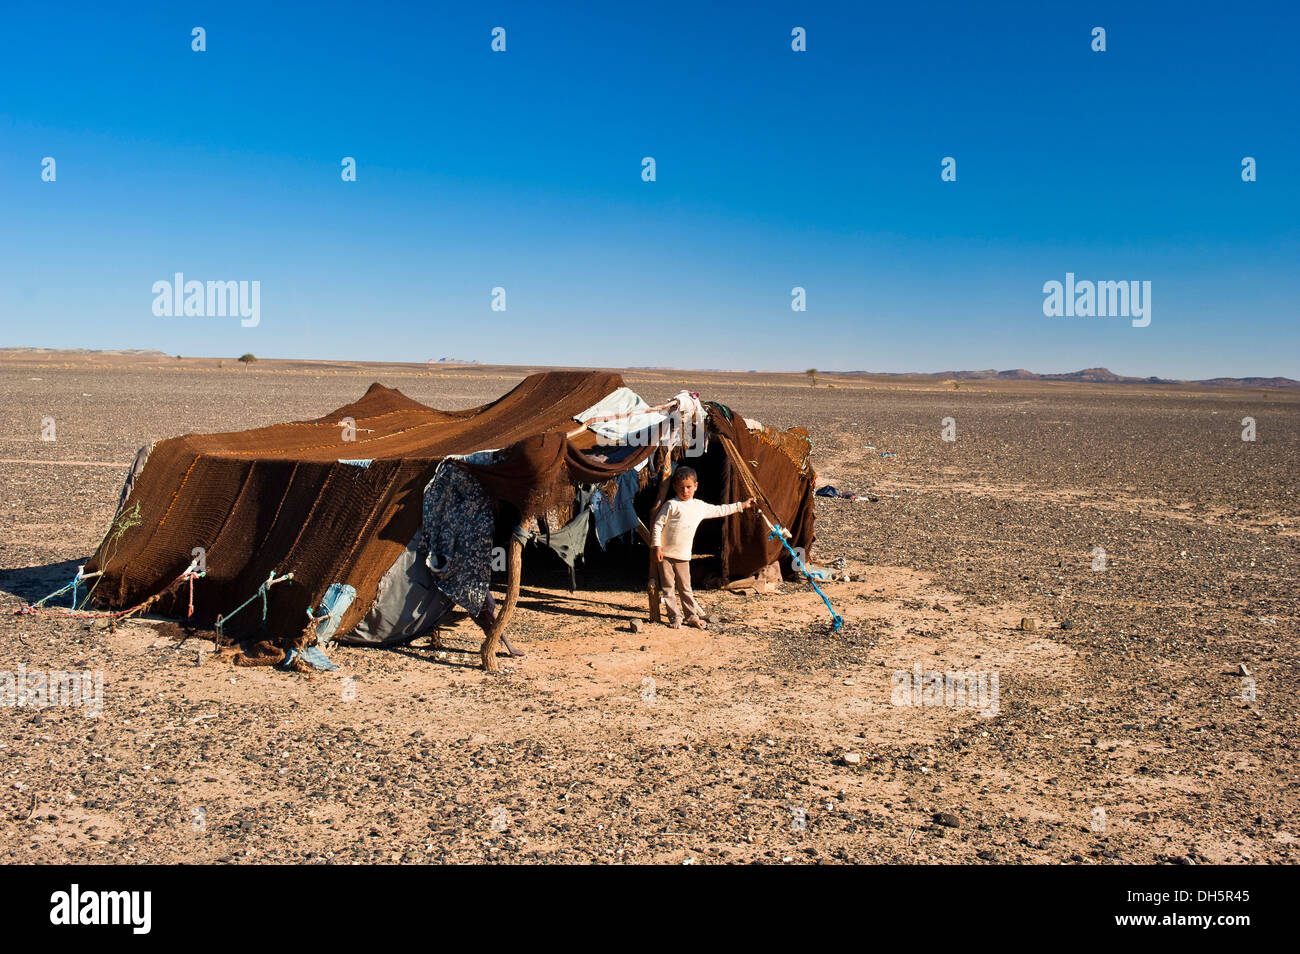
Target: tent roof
391,426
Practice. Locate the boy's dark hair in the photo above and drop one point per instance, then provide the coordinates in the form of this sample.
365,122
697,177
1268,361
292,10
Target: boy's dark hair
685,473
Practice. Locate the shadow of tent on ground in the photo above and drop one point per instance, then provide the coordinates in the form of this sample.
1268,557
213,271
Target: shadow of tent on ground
31,583
454,655
571,604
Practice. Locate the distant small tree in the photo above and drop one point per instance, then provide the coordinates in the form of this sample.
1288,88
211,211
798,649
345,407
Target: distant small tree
812,376
247,359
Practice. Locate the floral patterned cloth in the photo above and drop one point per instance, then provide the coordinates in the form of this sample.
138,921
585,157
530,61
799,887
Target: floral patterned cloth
457,536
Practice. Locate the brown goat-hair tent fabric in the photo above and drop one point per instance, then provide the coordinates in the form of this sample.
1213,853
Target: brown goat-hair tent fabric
283,499
786,479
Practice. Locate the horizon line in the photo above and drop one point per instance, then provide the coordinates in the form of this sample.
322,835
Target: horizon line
467,362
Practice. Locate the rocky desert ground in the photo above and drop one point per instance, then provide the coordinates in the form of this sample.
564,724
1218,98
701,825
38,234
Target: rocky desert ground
1147,716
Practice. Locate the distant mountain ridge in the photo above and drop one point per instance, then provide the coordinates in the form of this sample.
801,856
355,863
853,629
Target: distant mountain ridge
1088,375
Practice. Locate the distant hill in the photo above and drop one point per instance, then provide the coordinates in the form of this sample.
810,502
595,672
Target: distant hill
136,352
1089,375
1251,382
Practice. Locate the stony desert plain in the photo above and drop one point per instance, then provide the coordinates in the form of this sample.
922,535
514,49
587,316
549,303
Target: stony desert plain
1150,717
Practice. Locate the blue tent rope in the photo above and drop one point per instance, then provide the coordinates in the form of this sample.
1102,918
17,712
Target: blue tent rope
76,582
776,532
261,591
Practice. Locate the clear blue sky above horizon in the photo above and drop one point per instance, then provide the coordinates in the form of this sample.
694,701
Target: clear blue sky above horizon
522,169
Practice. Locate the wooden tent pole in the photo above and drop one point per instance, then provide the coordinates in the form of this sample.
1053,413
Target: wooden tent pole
746,475
652,586
514,559
652,583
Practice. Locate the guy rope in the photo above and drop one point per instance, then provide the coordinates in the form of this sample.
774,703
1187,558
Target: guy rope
775,530
189,574
261,591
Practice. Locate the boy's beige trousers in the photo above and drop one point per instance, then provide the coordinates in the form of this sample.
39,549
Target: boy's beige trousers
675,575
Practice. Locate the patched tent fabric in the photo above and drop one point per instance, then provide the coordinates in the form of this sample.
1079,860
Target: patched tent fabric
339,499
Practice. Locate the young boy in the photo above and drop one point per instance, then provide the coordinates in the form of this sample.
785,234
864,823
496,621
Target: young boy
671,540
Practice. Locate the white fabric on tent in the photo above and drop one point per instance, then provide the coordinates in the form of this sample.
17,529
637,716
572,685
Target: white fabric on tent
627,413
690,424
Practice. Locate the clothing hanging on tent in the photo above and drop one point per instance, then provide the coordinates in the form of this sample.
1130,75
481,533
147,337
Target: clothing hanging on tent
613,518
457,536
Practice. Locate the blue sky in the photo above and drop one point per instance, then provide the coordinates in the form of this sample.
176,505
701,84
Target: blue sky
775,169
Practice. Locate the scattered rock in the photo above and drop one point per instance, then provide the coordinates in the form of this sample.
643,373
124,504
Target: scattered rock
1028,624
597,760
947,819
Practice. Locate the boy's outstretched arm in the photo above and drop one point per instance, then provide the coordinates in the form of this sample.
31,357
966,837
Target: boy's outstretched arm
726,510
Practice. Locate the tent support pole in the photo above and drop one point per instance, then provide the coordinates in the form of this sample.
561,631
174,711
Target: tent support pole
652,590
514,557
652,581
652,587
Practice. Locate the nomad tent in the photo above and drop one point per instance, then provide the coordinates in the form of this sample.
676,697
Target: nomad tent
370,524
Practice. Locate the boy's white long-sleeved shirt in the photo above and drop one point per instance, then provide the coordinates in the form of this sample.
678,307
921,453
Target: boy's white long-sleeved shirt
677,520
